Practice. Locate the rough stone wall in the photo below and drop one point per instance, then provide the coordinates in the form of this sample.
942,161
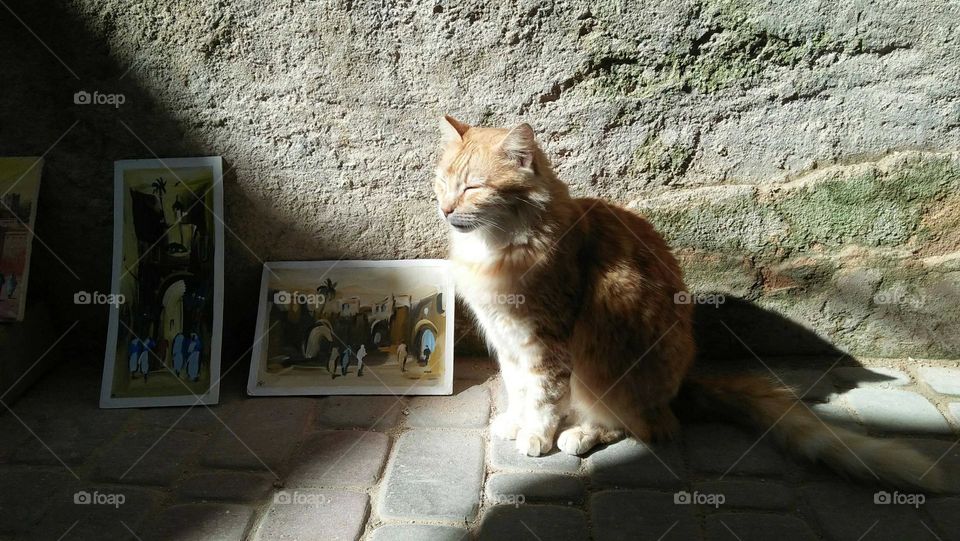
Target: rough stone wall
798,154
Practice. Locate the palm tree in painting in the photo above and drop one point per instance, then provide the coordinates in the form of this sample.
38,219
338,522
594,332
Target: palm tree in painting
159,190
329,290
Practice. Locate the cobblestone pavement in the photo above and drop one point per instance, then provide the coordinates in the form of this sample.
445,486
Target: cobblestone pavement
388,468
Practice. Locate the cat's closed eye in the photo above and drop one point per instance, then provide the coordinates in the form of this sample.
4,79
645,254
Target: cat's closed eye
473,184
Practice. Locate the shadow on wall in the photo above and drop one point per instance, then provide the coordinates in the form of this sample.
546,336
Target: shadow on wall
739,329
49,55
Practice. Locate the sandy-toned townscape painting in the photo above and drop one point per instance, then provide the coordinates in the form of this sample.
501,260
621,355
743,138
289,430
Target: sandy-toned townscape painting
354,327
163,345
19,186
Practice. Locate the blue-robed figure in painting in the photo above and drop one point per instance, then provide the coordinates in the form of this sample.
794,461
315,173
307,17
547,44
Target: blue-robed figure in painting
193,357
179,352
11,285
146,349
133,354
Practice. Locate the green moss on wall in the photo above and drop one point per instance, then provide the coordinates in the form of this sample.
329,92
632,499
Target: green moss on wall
724,45
655,159
873,209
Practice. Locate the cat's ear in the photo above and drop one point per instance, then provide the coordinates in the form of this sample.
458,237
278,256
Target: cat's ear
520,144
452,130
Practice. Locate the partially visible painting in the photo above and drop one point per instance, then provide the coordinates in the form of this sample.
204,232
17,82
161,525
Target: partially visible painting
163,345
354,327
19,185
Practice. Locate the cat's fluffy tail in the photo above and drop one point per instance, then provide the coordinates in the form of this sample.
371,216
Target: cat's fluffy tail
761,402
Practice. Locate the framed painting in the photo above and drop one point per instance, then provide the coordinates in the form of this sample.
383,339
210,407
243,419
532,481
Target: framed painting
19,186
354,327
166,314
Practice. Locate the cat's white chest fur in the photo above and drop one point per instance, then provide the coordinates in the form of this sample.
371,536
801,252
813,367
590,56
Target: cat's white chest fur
498,307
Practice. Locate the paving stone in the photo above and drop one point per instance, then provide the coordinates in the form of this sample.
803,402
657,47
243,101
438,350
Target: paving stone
632,464
626,515
196,419
721,448
71,437
759,526
477,369
227,486
339,458
946,517
469,408
506,457
147,457
14,435
809,384
418,532
942,380
749,494
260,434
433,475
872,376
27,492
896,411
534,523
847,511
104,520
371,412
315,515
954,409
837,415
523,487
200,522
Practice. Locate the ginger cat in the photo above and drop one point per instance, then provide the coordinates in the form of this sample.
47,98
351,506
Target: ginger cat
599,349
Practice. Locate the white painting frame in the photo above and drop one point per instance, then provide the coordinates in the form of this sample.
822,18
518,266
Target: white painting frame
211,395
259,382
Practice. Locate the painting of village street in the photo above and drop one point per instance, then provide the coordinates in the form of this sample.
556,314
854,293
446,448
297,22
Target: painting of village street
164,332
19,183
354,327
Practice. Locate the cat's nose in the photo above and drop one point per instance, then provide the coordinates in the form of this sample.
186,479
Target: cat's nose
447,210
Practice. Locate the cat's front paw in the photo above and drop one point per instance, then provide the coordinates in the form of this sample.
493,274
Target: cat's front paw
503,426
574,441
531,444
